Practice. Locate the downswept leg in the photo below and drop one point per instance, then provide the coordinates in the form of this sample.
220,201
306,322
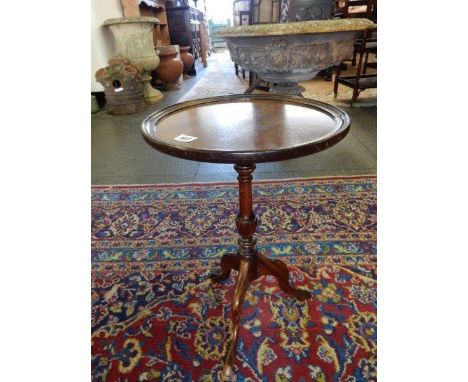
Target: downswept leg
237,302
228,262
279,269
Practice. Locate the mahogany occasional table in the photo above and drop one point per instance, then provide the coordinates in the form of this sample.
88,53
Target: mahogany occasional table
245,130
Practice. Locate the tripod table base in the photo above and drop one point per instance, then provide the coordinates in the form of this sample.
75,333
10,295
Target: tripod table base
250,268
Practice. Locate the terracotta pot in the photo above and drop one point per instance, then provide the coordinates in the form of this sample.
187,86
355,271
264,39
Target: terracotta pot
170,68
187,58
122,87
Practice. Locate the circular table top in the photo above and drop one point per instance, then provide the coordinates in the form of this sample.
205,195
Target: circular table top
245,128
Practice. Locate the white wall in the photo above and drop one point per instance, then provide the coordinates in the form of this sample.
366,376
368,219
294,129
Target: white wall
102,41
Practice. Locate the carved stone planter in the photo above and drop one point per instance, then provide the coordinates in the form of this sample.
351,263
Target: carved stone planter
285,54
122,87
134,40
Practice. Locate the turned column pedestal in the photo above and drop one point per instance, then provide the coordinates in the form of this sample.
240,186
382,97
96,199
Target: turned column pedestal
250,264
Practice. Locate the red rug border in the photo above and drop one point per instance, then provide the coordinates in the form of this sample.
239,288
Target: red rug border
110,186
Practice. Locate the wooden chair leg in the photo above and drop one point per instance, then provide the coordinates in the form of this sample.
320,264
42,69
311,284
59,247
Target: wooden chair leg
355,95
253,85
365,63
335,85
335,88
353,61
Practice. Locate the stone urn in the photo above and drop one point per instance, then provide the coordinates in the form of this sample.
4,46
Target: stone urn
287,53
170,68
187,58
134,40
122,87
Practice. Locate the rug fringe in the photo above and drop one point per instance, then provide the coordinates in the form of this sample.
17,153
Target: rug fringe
232,182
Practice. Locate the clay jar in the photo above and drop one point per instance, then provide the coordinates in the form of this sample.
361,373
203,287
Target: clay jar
187,58
122,87
170,68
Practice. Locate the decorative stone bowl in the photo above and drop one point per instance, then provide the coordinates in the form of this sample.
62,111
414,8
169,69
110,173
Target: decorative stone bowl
288,53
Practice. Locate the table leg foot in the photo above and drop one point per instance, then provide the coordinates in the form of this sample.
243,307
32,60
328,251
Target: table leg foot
279,269
237,302
228,262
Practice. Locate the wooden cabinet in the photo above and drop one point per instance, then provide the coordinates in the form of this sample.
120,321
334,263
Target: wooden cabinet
157,9
187,28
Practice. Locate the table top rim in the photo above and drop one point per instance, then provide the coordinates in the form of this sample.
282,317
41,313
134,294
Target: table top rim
246,156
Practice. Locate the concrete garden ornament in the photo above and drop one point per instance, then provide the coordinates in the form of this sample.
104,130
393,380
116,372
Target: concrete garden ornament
134,40
122,86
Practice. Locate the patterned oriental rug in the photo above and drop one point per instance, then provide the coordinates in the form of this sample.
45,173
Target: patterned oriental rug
157,317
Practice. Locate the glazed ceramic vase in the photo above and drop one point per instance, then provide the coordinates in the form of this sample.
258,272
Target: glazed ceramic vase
170,68
134,40
187,58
